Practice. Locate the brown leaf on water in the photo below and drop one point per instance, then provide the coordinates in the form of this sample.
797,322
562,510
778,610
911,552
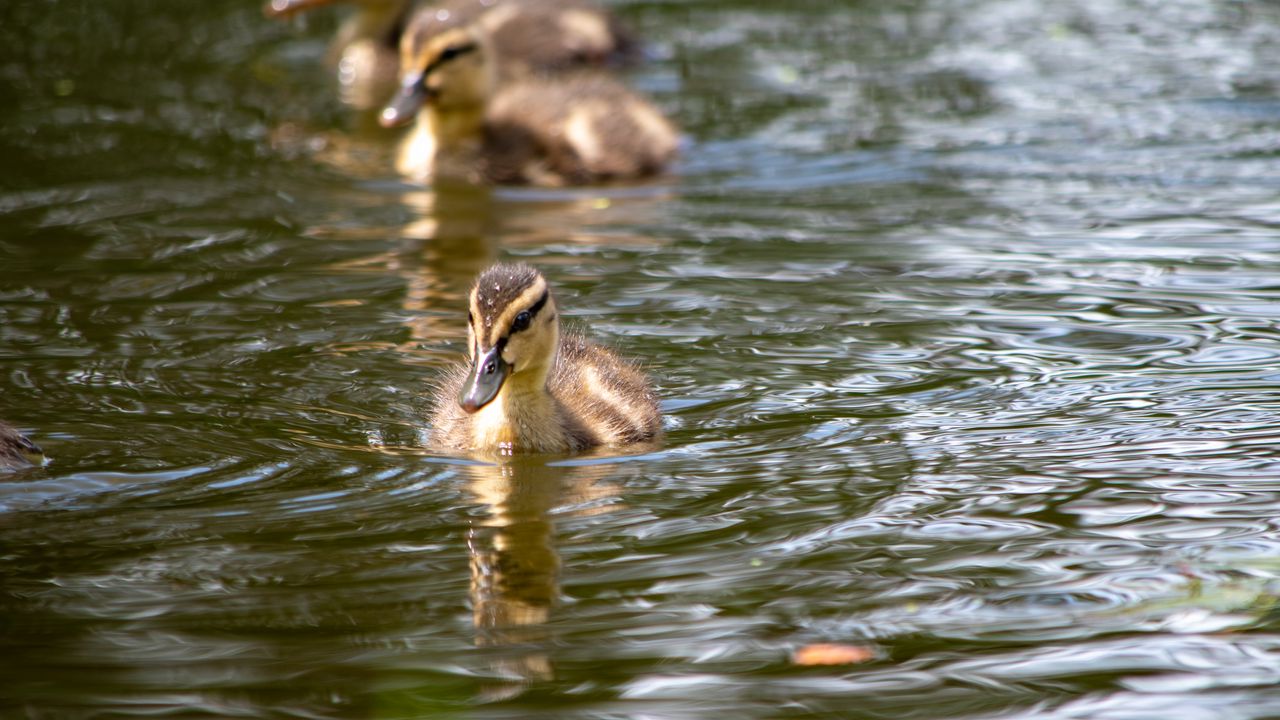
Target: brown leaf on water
832,654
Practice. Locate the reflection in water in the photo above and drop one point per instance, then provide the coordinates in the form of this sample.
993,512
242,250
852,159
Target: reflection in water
452,237
457,230
515,568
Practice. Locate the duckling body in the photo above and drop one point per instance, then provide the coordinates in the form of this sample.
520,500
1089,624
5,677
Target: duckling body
529,389
564,130
16,451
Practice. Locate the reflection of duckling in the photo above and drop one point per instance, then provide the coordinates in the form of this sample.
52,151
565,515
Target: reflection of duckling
515,562
366,49
530,390
16,451
573,129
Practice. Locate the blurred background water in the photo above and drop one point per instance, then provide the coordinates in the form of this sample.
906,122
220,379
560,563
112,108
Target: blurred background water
964,314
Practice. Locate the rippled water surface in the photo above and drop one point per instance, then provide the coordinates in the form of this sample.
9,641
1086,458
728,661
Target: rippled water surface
963,313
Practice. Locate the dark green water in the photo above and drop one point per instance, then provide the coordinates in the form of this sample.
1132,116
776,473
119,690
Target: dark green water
964,314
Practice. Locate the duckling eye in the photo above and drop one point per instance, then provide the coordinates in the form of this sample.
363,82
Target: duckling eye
522,321
454,51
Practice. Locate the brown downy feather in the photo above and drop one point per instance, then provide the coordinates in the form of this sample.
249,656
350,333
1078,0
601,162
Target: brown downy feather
626,413
574,130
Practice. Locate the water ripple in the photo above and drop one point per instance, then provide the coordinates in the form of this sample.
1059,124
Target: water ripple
963,317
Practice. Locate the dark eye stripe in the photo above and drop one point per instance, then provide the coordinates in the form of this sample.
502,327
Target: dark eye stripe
448,54
533,311
525,318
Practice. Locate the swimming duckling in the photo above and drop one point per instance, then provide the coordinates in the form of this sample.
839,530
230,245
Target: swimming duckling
532,36
16,451
530,389
568,130
366,48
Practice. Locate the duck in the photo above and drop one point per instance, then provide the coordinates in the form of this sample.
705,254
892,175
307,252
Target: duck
573,129
366,50
16,450
530,388
534,36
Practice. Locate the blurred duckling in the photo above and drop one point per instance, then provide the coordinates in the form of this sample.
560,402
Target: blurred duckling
16,451
366,49
568,130
533,36
528,388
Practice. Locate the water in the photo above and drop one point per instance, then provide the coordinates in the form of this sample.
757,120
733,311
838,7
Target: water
963,314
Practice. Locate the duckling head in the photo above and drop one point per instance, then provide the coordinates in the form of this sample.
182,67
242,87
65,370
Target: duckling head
288,8
513,334
449,71
16,449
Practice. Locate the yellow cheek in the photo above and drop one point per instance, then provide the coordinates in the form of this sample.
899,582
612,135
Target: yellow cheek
511,352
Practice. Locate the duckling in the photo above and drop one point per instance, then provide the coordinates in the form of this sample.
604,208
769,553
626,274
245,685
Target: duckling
567,130
528,388
366,48
16,451
532,36
535,36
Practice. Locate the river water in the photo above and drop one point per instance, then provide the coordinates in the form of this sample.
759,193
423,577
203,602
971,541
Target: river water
963,313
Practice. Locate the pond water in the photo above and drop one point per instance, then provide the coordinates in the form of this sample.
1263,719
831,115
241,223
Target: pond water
963,313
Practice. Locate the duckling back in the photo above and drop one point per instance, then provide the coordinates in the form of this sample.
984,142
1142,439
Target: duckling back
608,398
553,36
574,130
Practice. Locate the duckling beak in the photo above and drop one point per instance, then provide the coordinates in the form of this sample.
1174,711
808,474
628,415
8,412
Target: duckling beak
285,8
405,105
31,451
487,375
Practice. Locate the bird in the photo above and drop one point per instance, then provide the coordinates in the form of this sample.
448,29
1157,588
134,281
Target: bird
533,36
571,129
16,450
366,49
528,387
